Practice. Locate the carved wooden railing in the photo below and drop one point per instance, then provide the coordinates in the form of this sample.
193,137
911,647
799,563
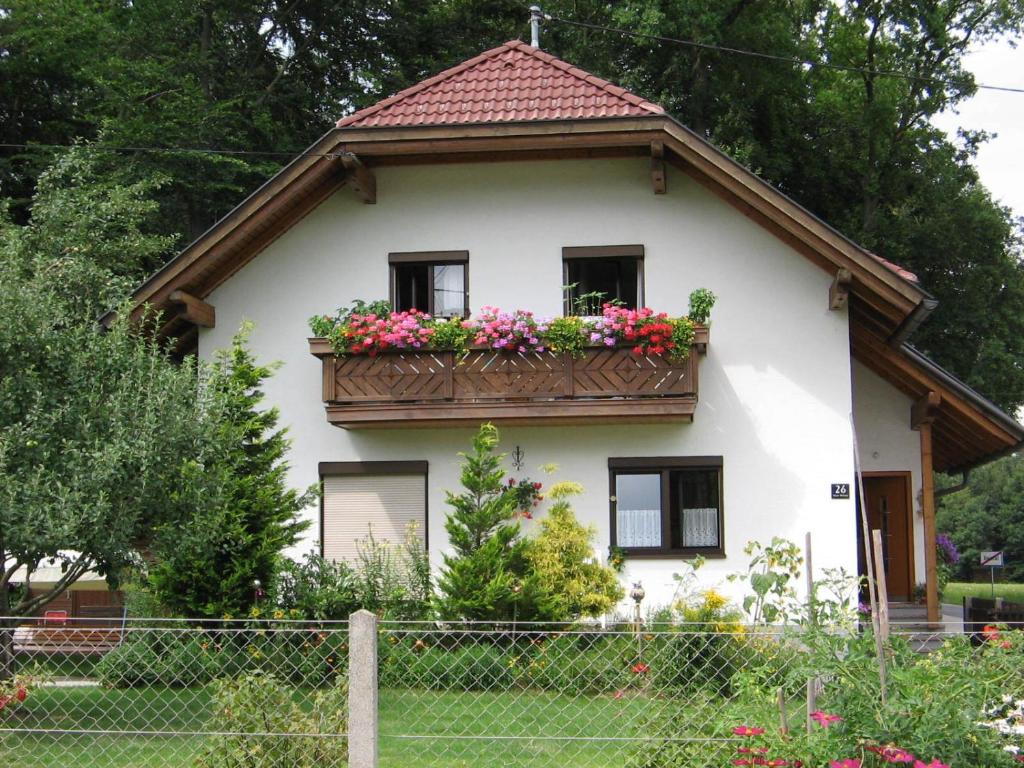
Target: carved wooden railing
440,388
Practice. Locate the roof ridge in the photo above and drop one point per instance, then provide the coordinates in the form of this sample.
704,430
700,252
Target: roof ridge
511,45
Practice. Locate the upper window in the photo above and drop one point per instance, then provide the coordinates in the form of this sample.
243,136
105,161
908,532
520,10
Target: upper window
433,281
595,275
667,506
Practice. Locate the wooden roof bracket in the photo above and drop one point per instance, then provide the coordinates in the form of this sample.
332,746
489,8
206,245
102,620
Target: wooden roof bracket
659,181
359,177
193,309
925,409
839,291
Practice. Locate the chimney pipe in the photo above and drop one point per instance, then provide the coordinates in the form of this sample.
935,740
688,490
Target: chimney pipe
535,17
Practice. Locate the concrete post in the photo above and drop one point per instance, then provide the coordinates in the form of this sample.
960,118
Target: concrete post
362,690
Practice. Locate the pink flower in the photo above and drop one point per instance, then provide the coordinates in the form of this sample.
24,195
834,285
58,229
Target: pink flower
640,668
824,719
747,730
932,764
849,762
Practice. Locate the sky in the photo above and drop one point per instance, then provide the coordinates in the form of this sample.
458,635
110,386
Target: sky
1000,161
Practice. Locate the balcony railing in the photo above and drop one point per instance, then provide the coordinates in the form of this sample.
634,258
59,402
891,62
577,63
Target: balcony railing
431,388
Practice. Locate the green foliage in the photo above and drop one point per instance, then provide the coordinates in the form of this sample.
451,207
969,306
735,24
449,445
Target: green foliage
771,574
259,703
701,302
315,588
392,581
450,334
209,568
988,515
561,559
486,577
90,423
566,334
174,658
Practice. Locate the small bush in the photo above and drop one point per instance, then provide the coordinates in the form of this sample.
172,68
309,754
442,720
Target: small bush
258,703
169,658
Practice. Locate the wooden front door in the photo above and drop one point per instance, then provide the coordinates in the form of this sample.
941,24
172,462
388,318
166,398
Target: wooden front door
888,510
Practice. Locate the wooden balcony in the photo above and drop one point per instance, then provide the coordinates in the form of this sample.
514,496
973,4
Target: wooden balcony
433,388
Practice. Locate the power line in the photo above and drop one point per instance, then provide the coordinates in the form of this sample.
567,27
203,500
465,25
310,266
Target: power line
174,150
777,57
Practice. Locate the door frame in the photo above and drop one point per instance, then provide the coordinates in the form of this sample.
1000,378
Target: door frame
908,478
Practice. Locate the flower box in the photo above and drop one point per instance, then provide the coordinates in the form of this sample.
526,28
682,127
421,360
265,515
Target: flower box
430,387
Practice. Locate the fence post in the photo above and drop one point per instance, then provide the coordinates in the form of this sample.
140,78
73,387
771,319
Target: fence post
362,690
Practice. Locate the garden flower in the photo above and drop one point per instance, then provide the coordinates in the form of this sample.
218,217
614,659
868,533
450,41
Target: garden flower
640,668
748,730
932,764
849,762
892,754
824,719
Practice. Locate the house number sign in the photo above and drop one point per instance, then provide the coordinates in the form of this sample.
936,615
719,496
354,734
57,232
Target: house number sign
840,490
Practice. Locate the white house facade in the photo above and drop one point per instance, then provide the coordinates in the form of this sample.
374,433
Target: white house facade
499,192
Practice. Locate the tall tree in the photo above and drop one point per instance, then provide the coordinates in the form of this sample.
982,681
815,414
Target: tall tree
208,567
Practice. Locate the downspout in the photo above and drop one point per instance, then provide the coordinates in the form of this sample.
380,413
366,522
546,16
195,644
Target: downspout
965,478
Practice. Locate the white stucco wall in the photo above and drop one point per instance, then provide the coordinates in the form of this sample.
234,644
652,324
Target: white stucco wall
775,397
887,443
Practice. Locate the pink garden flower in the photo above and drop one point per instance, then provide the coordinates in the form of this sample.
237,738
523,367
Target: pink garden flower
747,730
824,719
849,762
933,764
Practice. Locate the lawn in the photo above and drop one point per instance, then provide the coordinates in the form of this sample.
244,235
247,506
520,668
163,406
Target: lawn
956,591
407,718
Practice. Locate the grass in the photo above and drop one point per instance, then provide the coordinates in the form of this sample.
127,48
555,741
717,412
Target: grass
956,591
407,719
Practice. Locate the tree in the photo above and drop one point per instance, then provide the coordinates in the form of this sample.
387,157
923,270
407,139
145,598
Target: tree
561,559
988,515
208,567
486,579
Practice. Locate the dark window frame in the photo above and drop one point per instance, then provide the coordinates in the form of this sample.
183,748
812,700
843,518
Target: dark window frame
429,259
633,251
665,466
419,468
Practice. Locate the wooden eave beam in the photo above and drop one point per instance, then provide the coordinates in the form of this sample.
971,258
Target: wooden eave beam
194,310
359,177
925,410
658,178
839,291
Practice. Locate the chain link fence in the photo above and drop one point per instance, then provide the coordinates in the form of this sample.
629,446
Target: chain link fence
290,693
149,693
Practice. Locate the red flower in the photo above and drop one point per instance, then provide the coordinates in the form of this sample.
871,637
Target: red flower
20,694
892,754
746,730
640,668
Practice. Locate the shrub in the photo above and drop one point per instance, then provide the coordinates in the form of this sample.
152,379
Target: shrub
316,588
561,560
160,658
258,703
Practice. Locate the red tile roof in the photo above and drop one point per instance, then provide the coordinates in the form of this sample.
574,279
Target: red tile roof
514,81
903,272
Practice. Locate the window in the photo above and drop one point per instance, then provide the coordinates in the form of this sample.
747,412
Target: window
667,506
384,497
598,274
430,281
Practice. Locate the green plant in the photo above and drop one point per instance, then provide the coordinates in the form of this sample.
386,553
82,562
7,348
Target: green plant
207,568
315,588
701,302
450,334
566,334
486,577
262,704
173,657
617,559
394,580
771,574
561,561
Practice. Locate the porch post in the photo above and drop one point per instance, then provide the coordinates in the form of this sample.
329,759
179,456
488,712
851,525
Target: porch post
922,416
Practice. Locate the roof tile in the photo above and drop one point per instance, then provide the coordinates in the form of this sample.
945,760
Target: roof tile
512,82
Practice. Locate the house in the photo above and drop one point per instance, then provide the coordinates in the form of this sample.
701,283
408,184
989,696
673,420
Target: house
501,180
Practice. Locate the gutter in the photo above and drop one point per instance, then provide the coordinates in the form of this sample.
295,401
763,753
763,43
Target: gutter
913,321
982,403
